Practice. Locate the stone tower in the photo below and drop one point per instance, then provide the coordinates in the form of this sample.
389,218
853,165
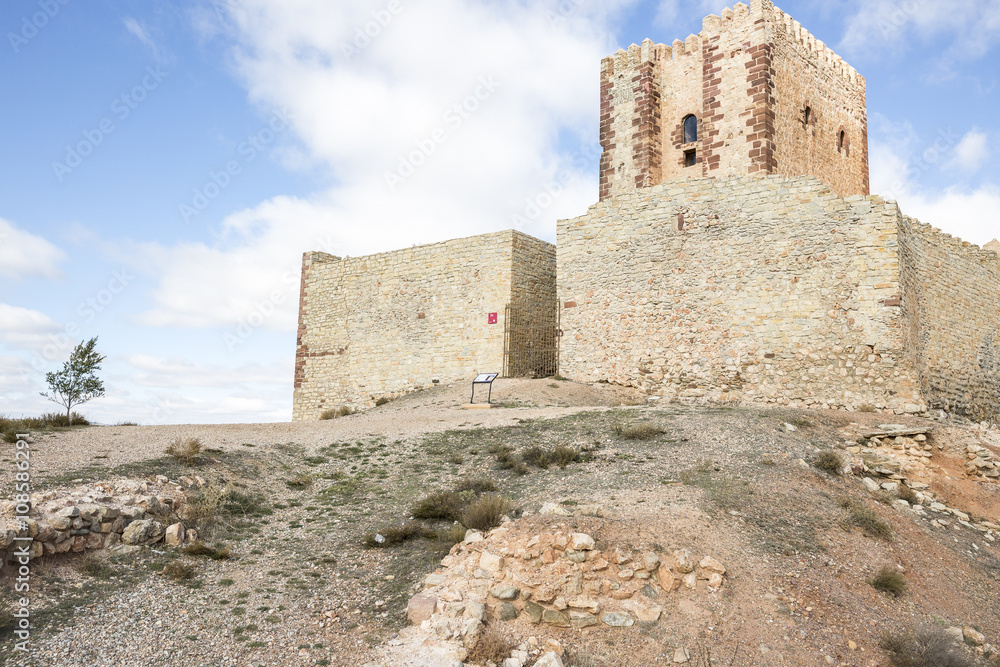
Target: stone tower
752,94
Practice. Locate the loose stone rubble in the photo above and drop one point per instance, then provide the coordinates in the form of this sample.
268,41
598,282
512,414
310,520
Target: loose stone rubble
123,514
907,461
556,578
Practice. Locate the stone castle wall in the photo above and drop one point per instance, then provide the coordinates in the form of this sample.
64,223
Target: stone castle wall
951,294
386,324
759,289
748,77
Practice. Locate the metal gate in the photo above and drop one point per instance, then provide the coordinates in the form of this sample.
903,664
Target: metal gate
531,339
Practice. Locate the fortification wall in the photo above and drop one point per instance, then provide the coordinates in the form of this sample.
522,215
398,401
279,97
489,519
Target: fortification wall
386,324
951,295
807,73
757,289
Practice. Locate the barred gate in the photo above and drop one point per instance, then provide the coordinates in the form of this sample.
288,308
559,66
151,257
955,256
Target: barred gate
531,339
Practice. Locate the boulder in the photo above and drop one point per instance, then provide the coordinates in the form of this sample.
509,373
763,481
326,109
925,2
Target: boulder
174,537
145,531
581,542
420,608
550,659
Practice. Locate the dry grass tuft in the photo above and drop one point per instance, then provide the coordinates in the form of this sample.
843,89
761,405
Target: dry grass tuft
644,431
867,407
202,550
381,401
866,519
491,647
96,567
829,461
486,511
178,571
337,413
185,451
927,647
889,580
478,485
302,481
392,535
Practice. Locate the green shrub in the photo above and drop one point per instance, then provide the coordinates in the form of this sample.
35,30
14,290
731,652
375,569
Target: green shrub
562,455
185,451
926,647
536,456
441,505
829,461
336,413
486,511
889,580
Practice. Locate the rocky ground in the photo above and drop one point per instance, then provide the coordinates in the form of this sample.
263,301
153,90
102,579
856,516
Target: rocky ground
739,485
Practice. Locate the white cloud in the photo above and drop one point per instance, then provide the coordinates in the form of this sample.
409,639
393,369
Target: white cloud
972,26
157,372
361,111
24,255
970,214
140,33
24,329
971,153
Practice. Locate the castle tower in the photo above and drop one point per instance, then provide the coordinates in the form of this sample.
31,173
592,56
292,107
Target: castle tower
753,93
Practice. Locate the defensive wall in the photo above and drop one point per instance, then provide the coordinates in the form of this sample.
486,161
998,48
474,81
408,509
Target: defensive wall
951,296
387,324
774,289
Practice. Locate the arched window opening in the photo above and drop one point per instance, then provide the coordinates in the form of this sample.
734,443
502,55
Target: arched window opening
690,129
842,141
808,115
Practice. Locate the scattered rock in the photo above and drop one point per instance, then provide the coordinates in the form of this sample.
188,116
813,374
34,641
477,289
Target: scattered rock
420,608
550,659
618,620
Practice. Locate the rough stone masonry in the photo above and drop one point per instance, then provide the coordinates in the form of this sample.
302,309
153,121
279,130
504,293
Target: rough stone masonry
735,255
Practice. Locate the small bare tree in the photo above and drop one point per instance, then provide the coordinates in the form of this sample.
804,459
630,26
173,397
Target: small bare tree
77,382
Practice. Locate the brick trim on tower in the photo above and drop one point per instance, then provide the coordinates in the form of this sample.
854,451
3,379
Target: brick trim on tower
608,144
711,88
301,348
761,133
647,140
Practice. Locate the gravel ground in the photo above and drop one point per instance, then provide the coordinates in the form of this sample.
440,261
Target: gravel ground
301,589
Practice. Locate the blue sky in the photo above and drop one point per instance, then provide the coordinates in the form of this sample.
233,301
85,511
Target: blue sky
167,162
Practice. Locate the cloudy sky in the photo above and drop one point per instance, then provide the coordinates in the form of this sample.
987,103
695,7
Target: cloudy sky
166,162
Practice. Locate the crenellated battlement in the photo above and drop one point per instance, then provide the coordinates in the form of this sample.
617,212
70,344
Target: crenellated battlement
784,24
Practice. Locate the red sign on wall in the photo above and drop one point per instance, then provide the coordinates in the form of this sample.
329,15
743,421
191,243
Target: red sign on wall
492,318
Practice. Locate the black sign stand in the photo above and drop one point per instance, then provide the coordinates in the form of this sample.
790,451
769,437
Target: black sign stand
487,379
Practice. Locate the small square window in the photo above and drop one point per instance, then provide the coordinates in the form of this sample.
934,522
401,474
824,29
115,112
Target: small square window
690,158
